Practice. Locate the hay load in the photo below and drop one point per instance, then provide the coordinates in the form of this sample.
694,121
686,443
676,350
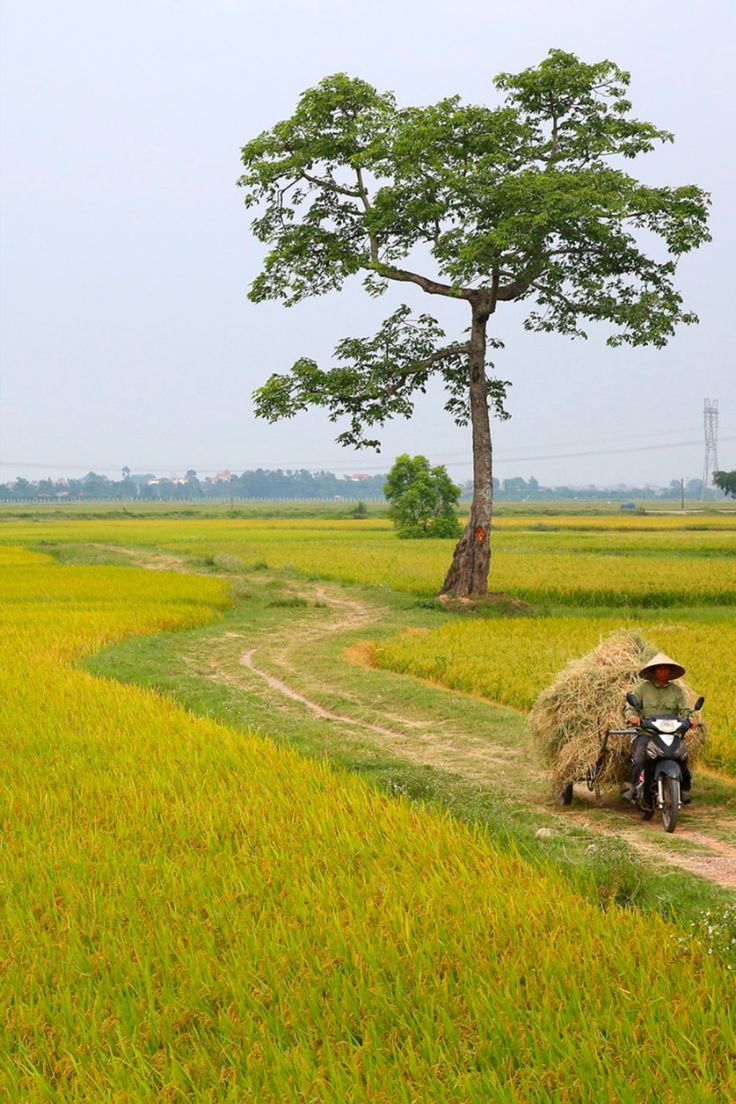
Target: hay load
571,716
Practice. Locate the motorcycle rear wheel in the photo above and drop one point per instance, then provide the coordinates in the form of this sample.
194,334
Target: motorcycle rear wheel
671,806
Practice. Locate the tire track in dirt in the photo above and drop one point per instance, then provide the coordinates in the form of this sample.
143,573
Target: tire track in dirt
430,743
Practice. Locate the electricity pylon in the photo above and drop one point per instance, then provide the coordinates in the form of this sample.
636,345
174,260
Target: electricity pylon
710,425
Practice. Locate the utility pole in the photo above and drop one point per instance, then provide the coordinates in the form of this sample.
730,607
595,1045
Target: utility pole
710,426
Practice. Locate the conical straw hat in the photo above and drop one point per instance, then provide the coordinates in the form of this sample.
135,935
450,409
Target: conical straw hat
660,660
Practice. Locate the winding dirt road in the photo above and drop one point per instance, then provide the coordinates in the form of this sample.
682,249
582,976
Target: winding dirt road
280,666
458,750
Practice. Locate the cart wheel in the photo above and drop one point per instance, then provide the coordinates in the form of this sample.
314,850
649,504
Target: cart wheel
564,797
591,777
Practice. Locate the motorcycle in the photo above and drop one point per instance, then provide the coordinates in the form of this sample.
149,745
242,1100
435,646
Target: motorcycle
660,782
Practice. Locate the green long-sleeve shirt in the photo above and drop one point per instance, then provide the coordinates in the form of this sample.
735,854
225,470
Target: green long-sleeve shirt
659,701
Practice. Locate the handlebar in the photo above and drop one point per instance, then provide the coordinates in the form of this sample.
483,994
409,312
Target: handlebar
648,724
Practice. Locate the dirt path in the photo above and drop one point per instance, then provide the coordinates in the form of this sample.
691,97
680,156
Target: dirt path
714,859
279,666
150,558
719,867
426,741
461,751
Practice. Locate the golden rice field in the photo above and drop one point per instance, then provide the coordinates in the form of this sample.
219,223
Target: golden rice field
190,912
630,523
646,566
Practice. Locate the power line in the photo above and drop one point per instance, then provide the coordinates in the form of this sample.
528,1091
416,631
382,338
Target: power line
375,467
606,452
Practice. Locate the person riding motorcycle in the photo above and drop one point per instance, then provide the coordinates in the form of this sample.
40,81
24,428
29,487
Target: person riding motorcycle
660,697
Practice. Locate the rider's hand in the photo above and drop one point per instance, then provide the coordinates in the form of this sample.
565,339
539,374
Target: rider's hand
635,721
694,722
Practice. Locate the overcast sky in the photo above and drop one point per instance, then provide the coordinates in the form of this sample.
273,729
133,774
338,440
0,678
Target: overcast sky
127,337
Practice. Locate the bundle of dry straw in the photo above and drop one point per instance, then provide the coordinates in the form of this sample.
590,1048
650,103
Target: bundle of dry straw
570,717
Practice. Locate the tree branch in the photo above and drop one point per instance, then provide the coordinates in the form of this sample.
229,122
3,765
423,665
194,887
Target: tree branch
362,190
363,193
512,290
441,354
555,293
433,287
329,185
494,288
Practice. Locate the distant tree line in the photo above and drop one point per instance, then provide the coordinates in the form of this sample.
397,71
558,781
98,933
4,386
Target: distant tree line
148,487
302,484
518,489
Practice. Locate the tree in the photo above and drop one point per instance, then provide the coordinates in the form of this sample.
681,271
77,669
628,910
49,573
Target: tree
726,482
522,202
23,488
423,499
516,487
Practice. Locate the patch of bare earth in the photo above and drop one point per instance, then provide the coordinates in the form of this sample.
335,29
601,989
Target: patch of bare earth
150,558
496,601
709,857
719,865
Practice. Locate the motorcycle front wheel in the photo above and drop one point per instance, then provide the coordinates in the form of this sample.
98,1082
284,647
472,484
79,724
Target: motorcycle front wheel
671,806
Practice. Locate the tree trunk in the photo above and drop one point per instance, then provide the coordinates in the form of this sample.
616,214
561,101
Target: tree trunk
471,563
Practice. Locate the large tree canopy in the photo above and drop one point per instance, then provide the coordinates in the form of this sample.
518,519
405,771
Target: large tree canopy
528,200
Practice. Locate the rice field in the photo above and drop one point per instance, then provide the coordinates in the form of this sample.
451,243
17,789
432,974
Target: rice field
191,913
646,566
